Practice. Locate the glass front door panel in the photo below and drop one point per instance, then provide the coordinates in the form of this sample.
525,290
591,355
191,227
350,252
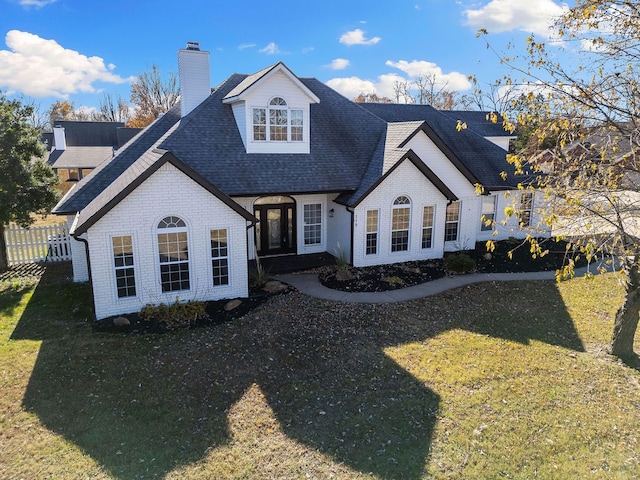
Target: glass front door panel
274,220
290,227
276,230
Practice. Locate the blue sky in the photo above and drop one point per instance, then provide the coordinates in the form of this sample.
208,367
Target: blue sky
79,49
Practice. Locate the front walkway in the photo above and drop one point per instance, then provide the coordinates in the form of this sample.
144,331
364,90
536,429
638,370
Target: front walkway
309,284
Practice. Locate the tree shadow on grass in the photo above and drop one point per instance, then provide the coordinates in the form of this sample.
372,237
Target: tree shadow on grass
145,405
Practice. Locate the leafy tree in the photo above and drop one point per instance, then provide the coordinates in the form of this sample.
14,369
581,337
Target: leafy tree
63,110
152,95
27,183
371,98
589,122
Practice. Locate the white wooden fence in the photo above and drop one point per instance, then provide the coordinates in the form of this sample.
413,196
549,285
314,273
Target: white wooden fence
37,244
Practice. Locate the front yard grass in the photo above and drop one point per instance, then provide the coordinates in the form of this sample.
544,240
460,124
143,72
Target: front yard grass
496,380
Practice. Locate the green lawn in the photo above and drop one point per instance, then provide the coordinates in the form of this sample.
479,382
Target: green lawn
504,380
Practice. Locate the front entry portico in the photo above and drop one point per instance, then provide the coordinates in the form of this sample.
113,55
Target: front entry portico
276,230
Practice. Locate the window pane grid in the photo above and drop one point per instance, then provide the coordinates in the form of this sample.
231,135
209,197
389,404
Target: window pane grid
372,232
284,124
427,227
173,255
312,224
123,265
219,257
488,213
451,222
400,220
526,205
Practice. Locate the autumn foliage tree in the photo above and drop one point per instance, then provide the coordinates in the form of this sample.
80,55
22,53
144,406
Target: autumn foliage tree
152,95
587,130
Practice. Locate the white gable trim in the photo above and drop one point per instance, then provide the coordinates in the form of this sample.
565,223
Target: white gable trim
279,67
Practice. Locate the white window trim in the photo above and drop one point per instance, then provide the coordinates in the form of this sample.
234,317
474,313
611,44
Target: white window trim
367,232
227,257
114,278
395,207
304,224
289,109
483,227
432,227
529,210
156,259
458,223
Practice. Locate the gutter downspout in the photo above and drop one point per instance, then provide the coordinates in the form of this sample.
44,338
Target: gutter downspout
352,212
86,251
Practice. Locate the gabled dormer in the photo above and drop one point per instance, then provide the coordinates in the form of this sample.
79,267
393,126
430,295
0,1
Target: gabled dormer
272,111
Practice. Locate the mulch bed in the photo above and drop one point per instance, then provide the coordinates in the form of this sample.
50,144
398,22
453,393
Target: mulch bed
369,279
400,275
216,314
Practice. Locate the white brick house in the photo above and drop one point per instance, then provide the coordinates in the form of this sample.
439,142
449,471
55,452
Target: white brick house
273,164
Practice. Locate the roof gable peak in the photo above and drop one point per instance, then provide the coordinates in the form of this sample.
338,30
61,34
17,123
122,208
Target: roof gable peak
251,82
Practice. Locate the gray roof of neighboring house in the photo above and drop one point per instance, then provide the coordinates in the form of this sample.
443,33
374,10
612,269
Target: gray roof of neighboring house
87,143
80,157
107,173
351,148
90,134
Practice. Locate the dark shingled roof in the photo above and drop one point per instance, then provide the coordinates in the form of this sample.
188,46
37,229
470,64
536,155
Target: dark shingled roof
477,158
351,147
90,134
80,157
107,172
343,138
479,122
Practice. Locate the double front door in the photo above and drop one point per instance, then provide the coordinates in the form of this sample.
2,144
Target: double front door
275,231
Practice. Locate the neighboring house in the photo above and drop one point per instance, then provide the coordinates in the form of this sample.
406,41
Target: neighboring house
274,164
78,147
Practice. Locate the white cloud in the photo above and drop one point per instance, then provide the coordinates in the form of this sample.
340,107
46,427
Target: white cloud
39,68
270,49
351,87
339,64
356,37
244,46
531,16
36,3
450,81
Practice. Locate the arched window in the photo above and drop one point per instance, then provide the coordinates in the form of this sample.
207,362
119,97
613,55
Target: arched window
173,254
400,222
284,124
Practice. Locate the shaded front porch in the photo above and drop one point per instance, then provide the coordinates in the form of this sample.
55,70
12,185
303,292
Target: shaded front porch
293,263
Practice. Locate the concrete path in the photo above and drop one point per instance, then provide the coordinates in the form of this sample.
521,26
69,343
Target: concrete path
309,284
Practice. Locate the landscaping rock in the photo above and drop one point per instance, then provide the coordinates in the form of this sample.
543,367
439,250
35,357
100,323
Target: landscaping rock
344,275
274,286
232,305
121,322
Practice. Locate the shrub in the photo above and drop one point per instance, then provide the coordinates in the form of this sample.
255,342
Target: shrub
394,281
258,277
459,263
176,315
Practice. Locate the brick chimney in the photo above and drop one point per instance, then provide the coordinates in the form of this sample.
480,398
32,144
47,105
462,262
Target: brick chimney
194,76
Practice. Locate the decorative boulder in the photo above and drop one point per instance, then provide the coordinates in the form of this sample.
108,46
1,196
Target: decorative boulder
274,286
232,305
344,275
121,322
